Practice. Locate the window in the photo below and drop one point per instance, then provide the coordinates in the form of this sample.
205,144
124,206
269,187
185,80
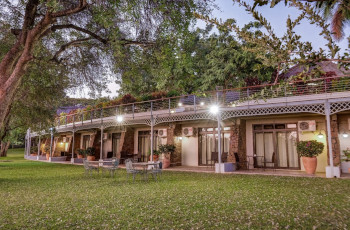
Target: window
86,141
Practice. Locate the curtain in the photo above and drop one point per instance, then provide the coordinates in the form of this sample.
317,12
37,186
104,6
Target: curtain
292,149
282,150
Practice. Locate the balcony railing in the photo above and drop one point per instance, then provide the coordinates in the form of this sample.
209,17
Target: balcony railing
225,98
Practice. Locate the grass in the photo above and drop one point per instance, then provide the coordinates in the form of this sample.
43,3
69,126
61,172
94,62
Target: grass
37,195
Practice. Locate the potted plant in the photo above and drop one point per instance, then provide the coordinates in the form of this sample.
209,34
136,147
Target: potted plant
90,153
47,152
345,165
309,150
81,153
156,154
34,150
166,150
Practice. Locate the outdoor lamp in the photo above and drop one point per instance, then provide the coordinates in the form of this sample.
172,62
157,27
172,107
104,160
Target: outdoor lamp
320,135
345,135
180,104
202,103
214,109
119,118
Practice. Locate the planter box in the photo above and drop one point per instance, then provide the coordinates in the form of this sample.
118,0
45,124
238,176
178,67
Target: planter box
336,172
64,158
77,160
225,167
345,165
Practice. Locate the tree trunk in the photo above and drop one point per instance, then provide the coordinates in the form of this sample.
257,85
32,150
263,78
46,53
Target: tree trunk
4,147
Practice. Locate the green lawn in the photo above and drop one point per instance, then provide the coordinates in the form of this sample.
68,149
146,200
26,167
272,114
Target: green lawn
35,195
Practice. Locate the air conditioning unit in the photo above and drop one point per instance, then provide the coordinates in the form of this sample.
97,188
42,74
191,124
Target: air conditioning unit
105,136
162,132
187,131
307,125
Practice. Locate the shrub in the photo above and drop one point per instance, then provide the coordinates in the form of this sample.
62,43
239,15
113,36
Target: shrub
90,151
158,95
173,93
146,97
309,148
128,98
81,152
34,149
167,148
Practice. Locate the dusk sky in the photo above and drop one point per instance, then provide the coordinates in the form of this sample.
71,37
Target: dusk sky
276,16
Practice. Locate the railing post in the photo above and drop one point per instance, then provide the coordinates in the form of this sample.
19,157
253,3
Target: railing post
66,120
73,120
151,107
325,85
194,102
169,106
82,118
101,114
91,115
133,111
59,121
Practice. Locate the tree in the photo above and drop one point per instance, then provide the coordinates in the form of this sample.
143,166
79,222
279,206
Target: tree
41,91
338,11
82,36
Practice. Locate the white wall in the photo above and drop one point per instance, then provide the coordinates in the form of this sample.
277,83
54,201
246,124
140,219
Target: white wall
320,125
344,127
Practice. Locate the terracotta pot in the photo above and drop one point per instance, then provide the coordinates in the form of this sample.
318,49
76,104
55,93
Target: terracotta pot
47,156
34,154
166,161
155,157
80,156
349,170
310,164
90,158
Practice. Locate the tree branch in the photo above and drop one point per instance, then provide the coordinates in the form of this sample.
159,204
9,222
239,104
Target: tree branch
81,6
71,26
66,46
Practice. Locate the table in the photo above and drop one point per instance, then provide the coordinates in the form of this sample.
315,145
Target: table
255,160
144,166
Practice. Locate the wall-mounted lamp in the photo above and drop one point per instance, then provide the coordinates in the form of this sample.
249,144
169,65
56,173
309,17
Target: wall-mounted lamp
202,103
179,104
119,118
320,135
345,135
179,138
214,109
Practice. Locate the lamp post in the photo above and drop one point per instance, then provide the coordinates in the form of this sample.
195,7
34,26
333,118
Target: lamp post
214,109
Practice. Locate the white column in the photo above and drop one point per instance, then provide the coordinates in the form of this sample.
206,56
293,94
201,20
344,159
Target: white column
101,149
219,140
329,137
152,135
39,148
51,144
72,159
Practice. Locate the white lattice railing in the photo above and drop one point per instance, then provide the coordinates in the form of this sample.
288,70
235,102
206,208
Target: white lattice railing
225,98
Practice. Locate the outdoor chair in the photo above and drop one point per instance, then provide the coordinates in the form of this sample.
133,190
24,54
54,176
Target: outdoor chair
156,170
89,168
271,161
224,157
111,168
214,157
131,170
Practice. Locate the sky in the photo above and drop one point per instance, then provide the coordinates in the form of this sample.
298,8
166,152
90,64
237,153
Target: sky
277,16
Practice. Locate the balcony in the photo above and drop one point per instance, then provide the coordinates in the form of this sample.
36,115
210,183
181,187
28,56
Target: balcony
297,93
